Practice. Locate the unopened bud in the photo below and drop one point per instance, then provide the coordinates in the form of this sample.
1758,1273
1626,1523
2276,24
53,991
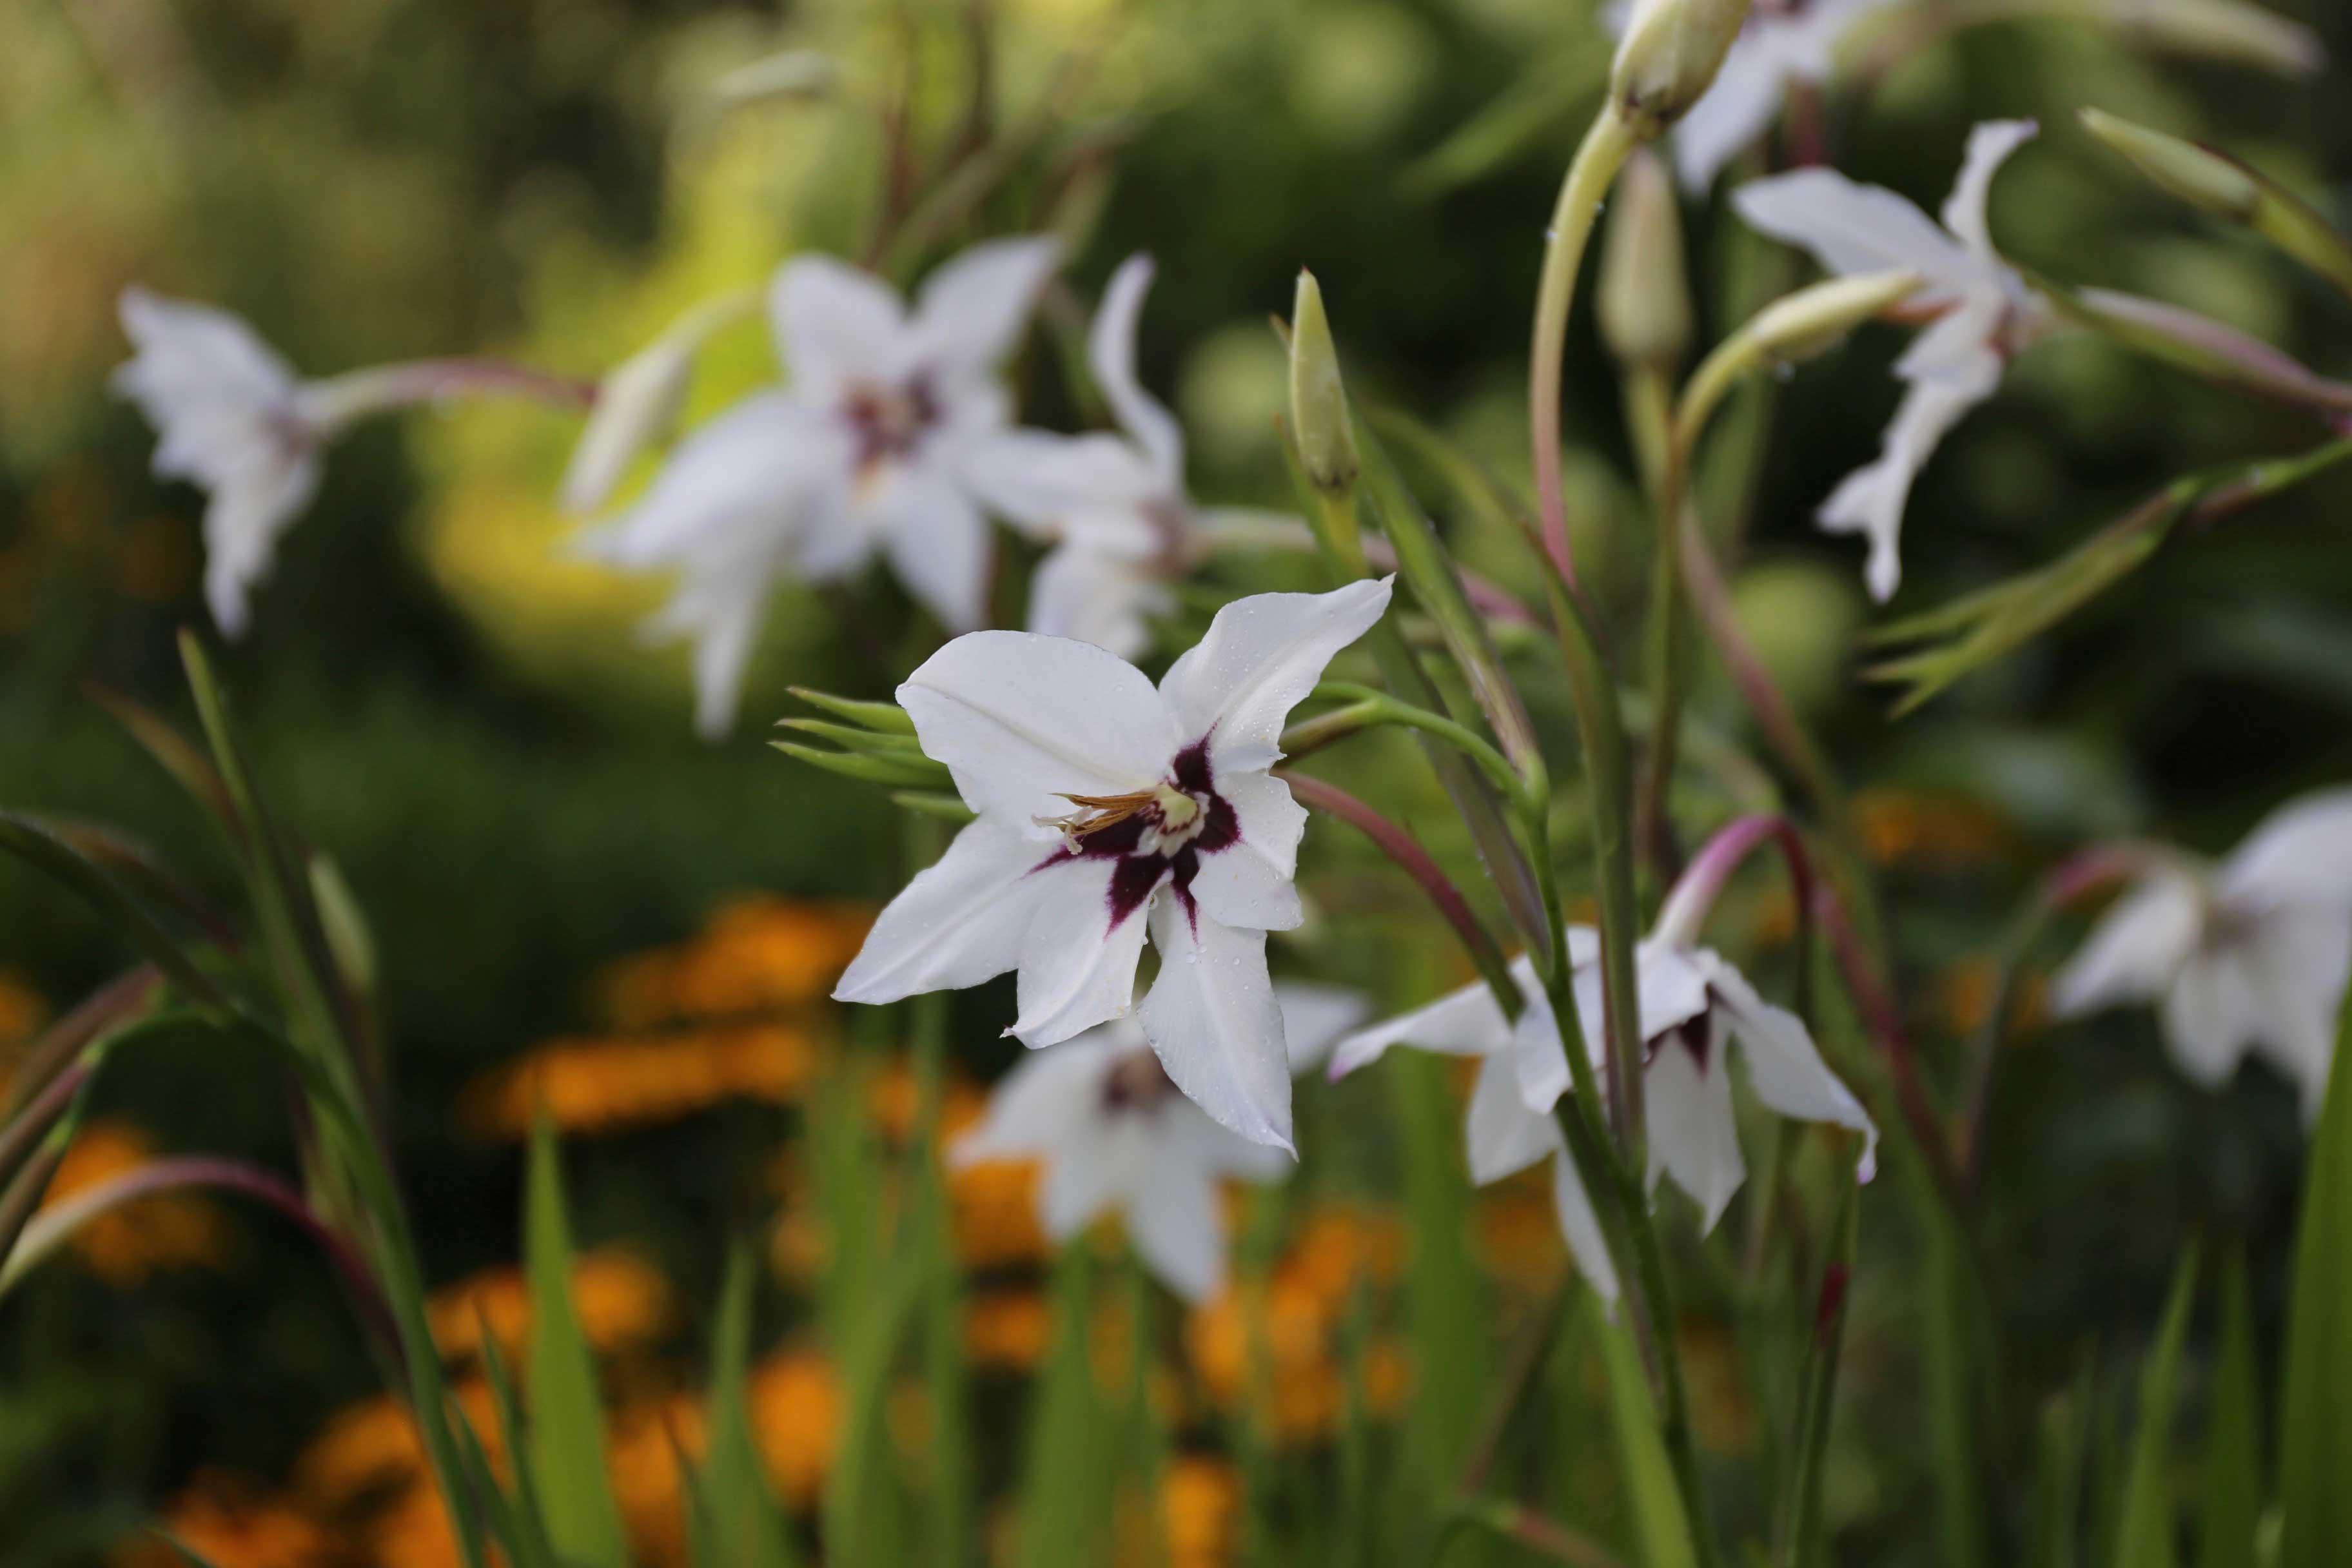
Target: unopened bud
1318,400
1669,57
638,403
1811,322
2236,32
1644,296
2194,175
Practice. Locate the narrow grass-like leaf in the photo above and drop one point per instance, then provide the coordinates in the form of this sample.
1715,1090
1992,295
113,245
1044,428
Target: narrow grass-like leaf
2144,1536
900,773
934,803
886,716
177,755
567,1418
2234,1433
1445,1308
1800,1540
747,1530
1062,1515
1953,1374
2055,1517
1659,1525
852,738
2316,1432
534,1550
39,845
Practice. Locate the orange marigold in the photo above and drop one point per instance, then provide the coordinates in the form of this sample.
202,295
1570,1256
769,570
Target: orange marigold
163,1231
755,955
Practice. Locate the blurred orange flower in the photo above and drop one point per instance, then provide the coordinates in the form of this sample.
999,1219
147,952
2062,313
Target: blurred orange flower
795,1402
755,955
994,1213
1007,1329
1200,1508
166,1231
621,1301
597,1085
1927,831
231,1523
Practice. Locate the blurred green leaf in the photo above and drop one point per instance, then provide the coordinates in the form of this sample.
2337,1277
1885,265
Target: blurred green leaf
533,1550
1659,1524
748,1529
567,1418
2316,1433
2233,1434
2055,1516
2145,1537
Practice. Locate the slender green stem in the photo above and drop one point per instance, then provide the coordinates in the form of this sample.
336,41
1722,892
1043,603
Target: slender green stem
1649,404
1594,170
1377,707
1801,1507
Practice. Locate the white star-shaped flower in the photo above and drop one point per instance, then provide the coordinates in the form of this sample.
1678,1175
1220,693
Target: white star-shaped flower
1785,42
1108,808
234,419
1115,1136
1987,314
1694,1006
871,450
2252,954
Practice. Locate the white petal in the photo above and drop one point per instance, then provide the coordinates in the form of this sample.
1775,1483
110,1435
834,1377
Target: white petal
1099,597
1022,720
638,404
1952,368
1313,1019
1212,1018
1990,146
2302,854
939,545
1784,1067
1580,1227
194,354
1261,656
1671,987
1806,43
1539,1057
2135,950
1692,1131
973,308
835,324
1049,1098
1091,490
720,605
243,522
958,923
1084,1179
1739,108
1078,955
2301,961
1178,1230
1500,1132
742,476
1111,349
2211,1015
1855,228
1235,887
1465,1023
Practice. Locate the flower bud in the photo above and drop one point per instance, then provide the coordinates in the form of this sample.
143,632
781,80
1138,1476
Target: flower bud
1644,298
1319,402
2203,179
2235,32
1811,322
1669,57
638,402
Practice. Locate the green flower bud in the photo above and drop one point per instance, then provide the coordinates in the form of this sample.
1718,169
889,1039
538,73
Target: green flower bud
1644,297
2203,179
1669,57
1318,400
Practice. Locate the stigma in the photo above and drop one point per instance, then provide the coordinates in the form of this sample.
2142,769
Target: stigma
1167,818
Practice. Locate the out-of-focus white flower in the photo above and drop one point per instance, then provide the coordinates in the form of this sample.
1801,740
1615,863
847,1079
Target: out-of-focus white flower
234,419
1694,1006
1784,42
872,448
1987,314
1107,808
1113,1135
2252,954
638,402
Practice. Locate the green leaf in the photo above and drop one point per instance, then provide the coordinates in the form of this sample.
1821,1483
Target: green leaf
747,1529
1064,1515
2233,1435
1802,1507
2056,1514
566,1454
934,803
2144,1534
2316,1432
887,718
851,738
532,1547
41,845
1446,1309
917,773
1659,1524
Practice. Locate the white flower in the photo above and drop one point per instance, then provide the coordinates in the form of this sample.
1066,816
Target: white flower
2253,954
1988,313
1108,808
1114,506
870,449
1783,45
234,419
1113,1135
1693,1006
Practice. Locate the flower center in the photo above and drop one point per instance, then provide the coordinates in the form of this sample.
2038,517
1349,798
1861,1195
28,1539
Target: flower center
1154,836
888,421
1166,817
1135,1083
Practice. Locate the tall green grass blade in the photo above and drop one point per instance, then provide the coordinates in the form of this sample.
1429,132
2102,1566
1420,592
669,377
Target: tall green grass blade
2315,1430
1952,1387
886,718
40,846
747,1530
2145,1537
1660,1526
1800,1537
2056,1517
567,1418
534,1550
1061,1516
2234,1433
1444,1307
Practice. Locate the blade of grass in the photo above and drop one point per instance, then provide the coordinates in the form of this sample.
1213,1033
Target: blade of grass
1660,1526
2234,1433
567,1426
748,1529
2316,1431
2145,1537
